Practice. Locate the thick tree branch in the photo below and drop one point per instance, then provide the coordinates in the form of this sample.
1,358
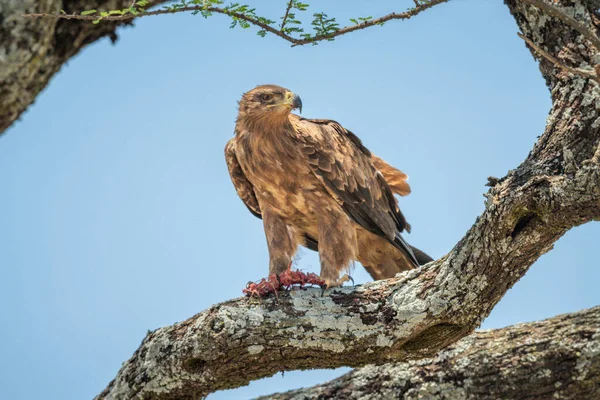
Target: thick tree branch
554,11
417,313
409,317
587,32
33,50
584,73
557,358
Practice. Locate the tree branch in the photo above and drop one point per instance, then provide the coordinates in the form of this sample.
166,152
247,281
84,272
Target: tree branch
287,13
567,19
584,73
34,50
408,317
250,19
555,358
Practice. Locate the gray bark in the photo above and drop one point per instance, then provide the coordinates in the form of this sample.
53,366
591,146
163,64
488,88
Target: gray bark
33,50
558,358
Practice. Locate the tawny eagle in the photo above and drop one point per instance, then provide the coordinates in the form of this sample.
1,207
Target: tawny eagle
314,183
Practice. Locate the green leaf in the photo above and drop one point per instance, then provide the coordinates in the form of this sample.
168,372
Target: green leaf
142,3
89,12
96,21
299,6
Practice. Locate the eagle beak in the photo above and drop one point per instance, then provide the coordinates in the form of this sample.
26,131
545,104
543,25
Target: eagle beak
293,100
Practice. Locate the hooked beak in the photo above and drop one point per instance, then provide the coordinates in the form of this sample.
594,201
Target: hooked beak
294,101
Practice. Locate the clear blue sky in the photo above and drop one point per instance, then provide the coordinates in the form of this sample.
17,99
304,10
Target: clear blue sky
118,215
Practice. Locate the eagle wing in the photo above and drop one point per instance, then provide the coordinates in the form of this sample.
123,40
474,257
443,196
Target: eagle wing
243,186
396,179
344,165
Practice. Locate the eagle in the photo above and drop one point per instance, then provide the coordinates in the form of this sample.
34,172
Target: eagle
314,183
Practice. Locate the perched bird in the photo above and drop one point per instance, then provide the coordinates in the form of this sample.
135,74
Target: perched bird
314,183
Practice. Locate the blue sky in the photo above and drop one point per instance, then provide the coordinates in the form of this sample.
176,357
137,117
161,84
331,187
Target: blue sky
118,215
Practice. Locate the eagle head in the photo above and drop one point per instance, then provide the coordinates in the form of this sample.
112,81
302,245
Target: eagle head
268,101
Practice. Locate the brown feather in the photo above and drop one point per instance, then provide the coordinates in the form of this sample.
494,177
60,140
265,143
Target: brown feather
394,177
242,186
318,185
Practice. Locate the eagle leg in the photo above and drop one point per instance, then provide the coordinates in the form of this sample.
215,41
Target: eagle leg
281,241
337,247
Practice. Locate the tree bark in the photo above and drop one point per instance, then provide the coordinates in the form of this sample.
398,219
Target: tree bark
558,358
33,50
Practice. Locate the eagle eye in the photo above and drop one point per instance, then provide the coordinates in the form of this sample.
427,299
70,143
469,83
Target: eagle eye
266,96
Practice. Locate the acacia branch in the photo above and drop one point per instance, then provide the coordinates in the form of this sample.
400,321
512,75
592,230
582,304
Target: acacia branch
248,18
573,23
285,16
555,358
216,10
408,317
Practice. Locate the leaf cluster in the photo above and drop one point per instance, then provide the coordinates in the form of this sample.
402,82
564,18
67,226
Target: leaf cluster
135,9
291,25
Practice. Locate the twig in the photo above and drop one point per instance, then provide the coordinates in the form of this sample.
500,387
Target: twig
287,12
254,21
572,22
372,22
576,71
126,17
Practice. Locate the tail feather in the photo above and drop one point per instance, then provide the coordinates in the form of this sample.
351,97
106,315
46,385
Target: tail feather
422,257
401,244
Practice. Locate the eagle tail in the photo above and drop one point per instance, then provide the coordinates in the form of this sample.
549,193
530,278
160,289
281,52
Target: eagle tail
422,257
401,244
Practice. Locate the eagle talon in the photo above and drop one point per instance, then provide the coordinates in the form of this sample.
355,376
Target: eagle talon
286,280
330,284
